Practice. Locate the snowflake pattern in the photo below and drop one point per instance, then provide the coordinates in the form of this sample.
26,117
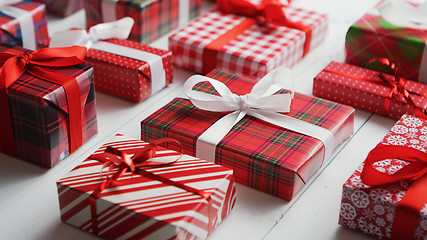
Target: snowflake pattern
424,210
379,210
423,138
419,147
414,141
424,224
411,135
347,211
380,222
368,214
396,140
380,195
382,163
399,129
360,199
424,130
411,121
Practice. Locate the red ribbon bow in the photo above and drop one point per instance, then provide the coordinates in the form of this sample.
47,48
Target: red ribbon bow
39,64
397,85
114,158
406,216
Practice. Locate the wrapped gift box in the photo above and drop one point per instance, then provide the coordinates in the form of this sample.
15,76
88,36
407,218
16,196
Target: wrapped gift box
140,207
263,156
253,53
362,88
372,209
11,30
126,77
372,36
153,19
62,8
39,113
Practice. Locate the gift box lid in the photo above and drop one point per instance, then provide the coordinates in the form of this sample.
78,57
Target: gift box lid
151,198
35,88
341,73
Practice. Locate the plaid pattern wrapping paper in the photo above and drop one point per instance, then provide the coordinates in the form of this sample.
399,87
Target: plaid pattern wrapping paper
372,209
138,207
62,8
153,18
372,36
257,51
39,114
367,95
122,76
263,156
10,29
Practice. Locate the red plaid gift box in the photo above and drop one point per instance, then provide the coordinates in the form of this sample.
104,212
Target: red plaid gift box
144,205
373,36
23,24
62,8
264,156
373,210
153,19
259,49
363,88
127,77
40,112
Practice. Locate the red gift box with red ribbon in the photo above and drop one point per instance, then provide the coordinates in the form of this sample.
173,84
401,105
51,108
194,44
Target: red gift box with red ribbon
386,195
47,102
248,38
130,189
371,90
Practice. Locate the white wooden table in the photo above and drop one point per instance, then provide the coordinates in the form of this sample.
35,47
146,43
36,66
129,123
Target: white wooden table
28,196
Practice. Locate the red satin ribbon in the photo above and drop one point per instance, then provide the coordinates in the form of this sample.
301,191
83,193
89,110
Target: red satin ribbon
114,158
396,84
407,213
39,64
270,11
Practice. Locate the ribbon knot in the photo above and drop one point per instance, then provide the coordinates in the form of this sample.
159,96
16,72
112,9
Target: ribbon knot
26,57
243,103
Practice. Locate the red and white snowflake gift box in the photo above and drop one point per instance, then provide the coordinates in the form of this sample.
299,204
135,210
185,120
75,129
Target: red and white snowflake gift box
144,204
372,210
212,41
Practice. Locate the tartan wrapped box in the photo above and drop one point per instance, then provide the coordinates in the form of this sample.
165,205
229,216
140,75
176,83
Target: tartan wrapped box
217,40
153,19
142,205
263,156
373,209
62,8
126,77
40,113
23,24
363,88
372,36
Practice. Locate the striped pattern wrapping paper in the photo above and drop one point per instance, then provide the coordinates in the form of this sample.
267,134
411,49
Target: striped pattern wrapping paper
371,36
153,19
367,95
10,29
40,118
257,51
62,8
263,156
138,207
125,77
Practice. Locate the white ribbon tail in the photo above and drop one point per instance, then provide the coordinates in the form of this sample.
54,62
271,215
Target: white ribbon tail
70,38
184,12
25,22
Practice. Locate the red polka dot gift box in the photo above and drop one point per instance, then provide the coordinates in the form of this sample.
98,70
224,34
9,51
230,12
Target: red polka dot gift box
233,38
62,8
274,143
386,94
386,196
128,69
130,189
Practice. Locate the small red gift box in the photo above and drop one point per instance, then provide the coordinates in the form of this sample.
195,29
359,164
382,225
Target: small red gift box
153,19
363,88
378,210
23,24
185,199
127,77
264,156
52,109
247,46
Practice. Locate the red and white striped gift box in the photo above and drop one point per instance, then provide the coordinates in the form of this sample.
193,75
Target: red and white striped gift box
257,51
137,207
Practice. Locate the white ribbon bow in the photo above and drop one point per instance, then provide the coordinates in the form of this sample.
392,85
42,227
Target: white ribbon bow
259,103
118,29
401,13
25,20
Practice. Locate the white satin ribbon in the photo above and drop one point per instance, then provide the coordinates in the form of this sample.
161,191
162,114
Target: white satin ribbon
259,103
25,20
118,29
